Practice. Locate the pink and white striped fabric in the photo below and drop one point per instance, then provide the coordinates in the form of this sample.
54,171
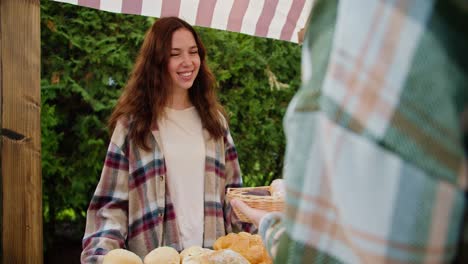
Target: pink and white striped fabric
277,19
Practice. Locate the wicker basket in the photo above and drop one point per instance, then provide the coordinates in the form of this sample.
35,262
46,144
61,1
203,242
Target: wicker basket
266,203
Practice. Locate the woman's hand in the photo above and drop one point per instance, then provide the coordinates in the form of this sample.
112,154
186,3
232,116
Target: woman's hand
255,215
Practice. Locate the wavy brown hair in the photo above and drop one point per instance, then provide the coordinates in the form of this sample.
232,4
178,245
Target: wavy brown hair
148,88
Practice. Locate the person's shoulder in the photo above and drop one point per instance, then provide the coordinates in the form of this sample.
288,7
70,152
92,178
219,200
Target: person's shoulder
120,132
224,121
122,125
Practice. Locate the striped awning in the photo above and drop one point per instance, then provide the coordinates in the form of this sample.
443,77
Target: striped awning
277,19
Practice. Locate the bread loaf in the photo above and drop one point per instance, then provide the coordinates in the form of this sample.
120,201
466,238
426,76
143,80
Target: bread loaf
121,256
193,251
162,255
248,245
225,256
277,188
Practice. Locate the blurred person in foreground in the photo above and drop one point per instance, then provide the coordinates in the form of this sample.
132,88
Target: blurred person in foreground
376,166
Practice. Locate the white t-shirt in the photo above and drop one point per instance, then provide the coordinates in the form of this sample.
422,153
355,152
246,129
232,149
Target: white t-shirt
184,152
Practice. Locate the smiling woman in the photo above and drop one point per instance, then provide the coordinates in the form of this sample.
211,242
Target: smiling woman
167,116
183,66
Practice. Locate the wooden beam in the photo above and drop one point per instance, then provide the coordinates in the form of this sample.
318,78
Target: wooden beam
20,132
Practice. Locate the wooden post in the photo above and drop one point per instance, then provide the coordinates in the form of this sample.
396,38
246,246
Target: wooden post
20,158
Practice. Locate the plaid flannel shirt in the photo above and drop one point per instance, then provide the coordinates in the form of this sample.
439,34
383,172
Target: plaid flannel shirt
375,166
131,207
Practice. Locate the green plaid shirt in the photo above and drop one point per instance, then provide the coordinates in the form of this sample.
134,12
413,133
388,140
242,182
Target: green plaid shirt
375,168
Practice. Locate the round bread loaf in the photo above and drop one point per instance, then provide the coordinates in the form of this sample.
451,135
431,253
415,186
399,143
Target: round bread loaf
277,188
162,255
249,246
224,256
121,256
193,251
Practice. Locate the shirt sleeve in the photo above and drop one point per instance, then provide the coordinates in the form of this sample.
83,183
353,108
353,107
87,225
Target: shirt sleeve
106,219
401,171
271,229
233,180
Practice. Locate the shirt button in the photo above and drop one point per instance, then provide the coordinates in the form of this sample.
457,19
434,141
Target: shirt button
160,214
161,178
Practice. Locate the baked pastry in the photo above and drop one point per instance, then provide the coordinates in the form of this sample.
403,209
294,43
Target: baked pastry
121,256
224,256
193,251
162,255
248,245
277,188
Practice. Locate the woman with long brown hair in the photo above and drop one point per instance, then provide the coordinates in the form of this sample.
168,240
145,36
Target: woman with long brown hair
171,156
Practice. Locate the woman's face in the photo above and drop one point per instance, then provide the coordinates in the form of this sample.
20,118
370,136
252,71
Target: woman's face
184,61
